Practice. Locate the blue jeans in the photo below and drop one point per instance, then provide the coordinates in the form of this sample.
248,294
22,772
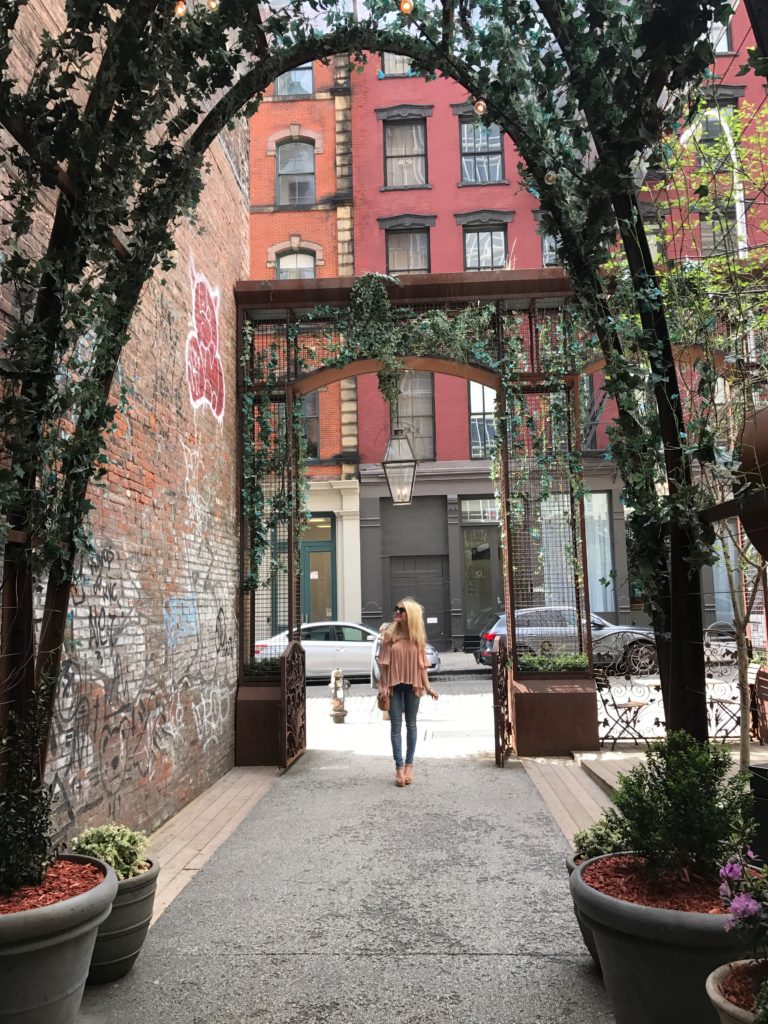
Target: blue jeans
403,702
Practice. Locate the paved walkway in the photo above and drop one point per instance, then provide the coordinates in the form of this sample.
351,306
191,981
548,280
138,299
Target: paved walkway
341,899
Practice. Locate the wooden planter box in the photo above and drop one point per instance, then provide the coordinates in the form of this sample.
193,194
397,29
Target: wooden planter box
553,715
257,720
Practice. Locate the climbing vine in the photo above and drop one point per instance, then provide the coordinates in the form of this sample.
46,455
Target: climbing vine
538,424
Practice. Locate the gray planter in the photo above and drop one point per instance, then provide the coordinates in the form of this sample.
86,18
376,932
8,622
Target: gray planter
655,963
45,953
586,932
727,1012
122,935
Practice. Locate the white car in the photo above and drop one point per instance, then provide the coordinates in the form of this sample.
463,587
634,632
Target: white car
327,645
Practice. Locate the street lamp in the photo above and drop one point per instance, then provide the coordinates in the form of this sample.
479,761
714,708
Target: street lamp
400,468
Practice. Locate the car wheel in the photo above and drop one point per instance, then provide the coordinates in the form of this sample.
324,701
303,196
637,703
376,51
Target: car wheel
641,659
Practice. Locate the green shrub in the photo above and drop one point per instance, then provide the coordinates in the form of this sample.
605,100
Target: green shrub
265,667
605,836
552,662
682,810
119,846
761,1004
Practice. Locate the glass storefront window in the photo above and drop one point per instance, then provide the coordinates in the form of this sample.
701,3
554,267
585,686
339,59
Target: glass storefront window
597,515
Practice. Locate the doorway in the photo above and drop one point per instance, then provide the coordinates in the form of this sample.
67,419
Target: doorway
318,569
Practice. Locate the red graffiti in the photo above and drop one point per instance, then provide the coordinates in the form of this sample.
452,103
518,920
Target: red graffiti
205,374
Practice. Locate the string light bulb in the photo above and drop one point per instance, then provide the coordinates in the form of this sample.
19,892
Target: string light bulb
213,5
480,107
406,6
180,9
550,178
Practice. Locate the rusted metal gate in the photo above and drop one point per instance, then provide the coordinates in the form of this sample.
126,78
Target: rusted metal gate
293,706
502,716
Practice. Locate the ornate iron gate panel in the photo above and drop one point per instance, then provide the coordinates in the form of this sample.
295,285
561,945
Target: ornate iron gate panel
502,720
293,706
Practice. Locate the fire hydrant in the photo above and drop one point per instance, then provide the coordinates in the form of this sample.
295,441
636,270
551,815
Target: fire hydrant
339,688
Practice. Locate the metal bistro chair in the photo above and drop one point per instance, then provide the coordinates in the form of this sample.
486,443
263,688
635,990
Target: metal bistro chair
724,718
620,717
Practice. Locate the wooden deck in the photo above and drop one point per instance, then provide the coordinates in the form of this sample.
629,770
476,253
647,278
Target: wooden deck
573,798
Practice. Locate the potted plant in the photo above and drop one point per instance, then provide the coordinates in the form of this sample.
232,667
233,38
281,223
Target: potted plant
50,906
121,935
739,990
605,836
655,911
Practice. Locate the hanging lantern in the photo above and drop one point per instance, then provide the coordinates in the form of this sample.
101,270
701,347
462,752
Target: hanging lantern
180,9
480,107
400,468
406,6
550,177
213,5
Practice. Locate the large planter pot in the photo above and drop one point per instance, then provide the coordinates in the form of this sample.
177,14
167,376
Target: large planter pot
727,1012
655,963
122,935
45,953
586,932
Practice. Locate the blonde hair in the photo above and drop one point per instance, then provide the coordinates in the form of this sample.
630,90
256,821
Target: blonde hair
414,615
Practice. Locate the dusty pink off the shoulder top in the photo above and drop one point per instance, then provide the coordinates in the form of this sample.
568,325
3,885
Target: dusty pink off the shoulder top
402,662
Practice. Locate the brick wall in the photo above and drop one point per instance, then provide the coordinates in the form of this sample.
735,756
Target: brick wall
145,715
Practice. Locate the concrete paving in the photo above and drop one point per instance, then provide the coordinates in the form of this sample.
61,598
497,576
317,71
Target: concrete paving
341,899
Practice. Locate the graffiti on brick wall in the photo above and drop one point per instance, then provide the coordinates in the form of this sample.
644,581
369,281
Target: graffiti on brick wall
126,715
205,373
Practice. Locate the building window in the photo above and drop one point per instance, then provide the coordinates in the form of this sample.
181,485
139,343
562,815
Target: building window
482,432
549,255
408,252
597,527
720,38
298,82
310,414
719,232
405,154
416,413
295,174
485,248
395,64
480,510
482,159
293,265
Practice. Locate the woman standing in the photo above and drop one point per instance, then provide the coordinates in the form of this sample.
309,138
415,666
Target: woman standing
403,663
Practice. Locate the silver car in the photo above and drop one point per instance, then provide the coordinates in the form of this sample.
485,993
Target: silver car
327,645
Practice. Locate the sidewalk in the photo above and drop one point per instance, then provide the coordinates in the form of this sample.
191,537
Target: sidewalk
341,899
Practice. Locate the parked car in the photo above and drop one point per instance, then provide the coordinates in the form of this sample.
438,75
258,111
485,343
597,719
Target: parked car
550,630
329,645
432,656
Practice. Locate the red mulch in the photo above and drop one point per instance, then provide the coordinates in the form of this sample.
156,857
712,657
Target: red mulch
623,877
741,985
63,880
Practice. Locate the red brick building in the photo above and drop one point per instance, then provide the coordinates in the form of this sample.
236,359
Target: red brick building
433,190
301,227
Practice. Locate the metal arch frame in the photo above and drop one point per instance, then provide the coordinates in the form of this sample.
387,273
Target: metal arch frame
528,293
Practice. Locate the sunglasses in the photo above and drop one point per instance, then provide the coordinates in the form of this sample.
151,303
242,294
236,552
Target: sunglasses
399,610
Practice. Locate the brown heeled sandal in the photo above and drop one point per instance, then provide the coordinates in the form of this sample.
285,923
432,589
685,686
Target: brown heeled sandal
399,777
408,777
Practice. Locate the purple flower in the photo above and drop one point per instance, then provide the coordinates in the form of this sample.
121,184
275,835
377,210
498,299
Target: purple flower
744,906
725,891
750,853
731,871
